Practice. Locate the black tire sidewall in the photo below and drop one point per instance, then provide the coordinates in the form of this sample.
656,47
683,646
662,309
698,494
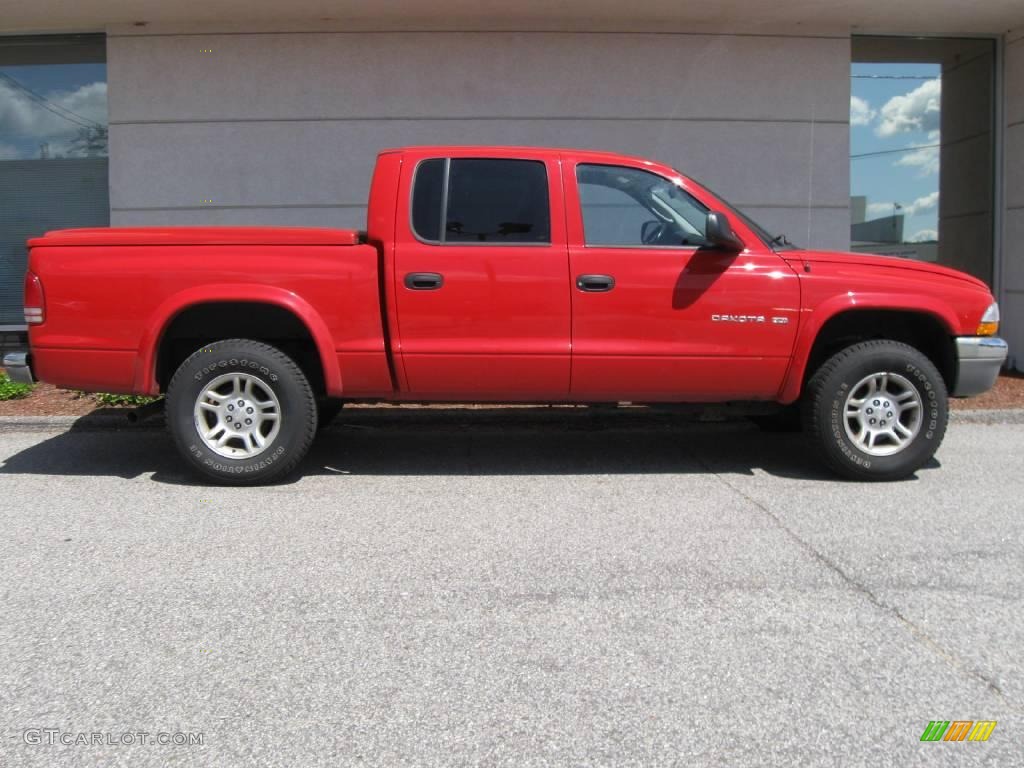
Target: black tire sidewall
275,371
835,388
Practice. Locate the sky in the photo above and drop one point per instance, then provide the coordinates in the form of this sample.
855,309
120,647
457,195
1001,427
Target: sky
70,96
896,107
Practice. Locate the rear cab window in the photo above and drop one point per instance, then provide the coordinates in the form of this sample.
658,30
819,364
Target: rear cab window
482,201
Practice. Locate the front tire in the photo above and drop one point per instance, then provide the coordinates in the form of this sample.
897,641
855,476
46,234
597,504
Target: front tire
241,412
877,410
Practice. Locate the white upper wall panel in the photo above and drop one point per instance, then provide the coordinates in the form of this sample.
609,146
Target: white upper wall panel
906,17
481,75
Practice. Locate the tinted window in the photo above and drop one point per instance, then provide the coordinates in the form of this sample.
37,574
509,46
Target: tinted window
53,147
497,201
630,207
426,199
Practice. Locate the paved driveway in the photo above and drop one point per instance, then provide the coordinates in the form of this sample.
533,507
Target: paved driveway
533,588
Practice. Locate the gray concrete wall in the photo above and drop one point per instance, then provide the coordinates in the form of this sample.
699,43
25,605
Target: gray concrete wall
282,128
1012,272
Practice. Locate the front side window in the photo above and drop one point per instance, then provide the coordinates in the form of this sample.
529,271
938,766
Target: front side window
487,201
629,207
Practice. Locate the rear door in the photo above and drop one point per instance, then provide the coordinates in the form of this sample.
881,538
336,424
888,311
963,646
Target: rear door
480,277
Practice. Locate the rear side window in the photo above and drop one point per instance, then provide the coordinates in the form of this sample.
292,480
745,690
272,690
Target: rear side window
487,201
426,199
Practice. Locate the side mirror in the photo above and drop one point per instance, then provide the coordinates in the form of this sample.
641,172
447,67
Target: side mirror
718,232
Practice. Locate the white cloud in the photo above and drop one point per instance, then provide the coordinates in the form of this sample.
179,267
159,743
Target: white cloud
926,159
875,210
926,203
918,110
22,117
861,112
924,236
922,204
9,152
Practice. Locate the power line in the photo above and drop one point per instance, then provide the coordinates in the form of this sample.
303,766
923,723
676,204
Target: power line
894,151
49,106
41,99
896,77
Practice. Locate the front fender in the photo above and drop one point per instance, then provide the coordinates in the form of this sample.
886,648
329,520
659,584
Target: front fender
812,320
157,323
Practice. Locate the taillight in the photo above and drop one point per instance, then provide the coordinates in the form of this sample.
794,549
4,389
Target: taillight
35,305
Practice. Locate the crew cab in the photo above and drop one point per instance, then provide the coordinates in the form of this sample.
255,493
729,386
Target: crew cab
507,275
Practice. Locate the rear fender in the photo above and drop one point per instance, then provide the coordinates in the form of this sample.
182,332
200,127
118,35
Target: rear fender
157,323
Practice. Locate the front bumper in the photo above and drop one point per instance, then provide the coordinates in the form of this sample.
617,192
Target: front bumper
979,359
19,367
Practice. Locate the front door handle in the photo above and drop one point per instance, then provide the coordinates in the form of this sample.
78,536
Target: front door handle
423,281
595,283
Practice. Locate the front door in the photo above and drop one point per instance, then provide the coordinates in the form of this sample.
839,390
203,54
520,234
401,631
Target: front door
657,315
481,272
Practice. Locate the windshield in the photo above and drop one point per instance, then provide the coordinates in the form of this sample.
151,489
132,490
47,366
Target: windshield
778,242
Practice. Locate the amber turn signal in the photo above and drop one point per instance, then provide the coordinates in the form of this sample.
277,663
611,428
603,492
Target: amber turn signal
989,325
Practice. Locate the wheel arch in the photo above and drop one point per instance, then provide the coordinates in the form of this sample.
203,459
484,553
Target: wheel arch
920,322
155,353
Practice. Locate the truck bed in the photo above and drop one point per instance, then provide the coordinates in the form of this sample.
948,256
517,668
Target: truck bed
112,294
199,236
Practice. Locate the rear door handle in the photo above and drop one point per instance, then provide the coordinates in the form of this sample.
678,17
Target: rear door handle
423,281
595,283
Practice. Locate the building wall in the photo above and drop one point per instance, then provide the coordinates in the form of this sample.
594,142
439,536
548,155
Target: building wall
1012,282
282,128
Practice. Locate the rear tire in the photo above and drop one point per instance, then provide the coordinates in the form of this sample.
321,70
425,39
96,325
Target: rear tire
241,412
877,410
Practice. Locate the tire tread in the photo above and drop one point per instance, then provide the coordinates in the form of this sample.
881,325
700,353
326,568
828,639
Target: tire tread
293,369
814,392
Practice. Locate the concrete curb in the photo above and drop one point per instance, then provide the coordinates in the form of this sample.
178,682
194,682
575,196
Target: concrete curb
990,416
117,420
90,422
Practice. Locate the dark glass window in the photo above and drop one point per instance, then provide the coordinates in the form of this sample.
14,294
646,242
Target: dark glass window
53,147
488,201
497,201
426,199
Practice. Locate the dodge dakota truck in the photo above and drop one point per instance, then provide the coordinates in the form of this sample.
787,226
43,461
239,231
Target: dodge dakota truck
507,275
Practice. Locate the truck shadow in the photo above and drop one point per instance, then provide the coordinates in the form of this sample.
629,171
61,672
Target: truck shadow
457,441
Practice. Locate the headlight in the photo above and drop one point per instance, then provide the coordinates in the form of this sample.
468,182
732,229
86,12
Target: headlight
989,325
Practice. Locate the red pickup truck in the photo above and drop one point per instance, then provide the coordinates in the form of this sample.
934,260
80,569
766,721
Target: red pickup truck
507,275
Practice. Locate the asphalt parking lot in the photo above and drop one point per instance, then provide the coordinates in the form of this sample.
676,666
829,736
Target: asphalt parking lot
533,588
